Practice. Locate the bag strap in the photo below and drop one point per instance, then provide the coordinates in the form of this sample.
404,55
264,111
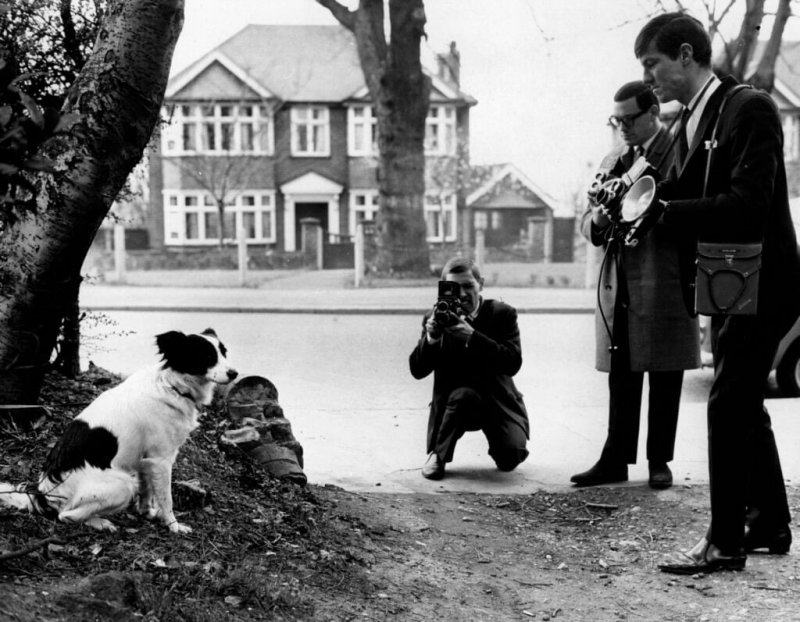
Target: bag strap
713,141
743,276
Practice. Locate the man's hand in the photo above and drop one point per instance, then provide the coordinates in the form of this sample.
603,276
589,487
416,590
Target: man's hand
461,330
432,329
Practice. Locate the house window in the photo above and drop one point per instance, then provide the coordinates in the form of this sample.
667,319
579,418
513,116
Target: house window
219,129
440,130
310,131
192,218
481,220
497,220
791,137
363,206
440,218
362,131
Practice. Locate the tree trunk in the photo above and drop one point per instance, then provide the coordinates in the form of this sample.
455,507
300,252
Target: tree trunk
764,76
68,361
111,111
221,216
400,93
737,52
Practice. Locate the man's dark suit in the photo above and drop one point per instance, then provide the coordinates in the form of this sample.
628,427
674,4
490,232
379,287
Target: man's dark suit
746,201
639,297
478,373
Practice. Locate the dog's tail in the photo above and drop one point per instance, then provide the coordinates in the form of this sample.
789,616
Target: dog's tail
26,497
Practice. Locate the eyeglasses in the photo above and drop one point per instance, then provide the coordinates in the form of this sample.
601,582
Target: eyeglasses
625,121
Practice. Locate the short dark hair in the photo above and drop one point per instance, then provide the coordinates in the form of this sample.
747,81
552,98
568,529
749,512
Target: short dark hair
669,31
645,98
461,265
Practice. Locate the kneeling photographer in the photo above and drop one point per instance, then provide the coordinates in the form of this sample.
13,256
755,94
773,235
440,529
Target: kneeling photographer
472,346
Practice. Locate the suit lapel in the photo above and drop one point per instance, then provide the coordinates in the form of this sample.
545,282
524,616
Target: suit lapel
707,120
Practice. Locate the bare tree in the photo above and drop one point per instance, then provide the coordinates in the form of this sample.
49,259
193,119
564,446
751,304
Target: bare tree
111,110
738,56
400,93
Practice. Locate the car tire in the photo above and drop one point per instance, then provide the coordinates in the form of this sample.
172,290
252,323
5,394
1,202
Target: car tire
788,372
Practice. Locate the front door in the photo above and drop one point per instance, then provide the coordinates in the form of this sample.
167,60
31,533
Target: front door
309,210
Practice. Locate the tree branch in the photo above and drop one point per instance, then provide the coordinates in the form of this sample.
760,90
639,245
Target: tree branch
30,548
344,16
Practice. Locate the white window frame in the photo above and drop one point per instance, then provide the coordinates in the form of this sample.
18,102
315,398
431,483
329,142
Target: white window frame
192,114
362,202
323,122
368,123
440,130
791,136
180,203
434,212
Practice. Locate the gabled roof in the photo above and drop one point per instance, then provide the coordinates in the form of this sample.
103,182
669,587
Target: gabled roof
787,71
295,63
495,188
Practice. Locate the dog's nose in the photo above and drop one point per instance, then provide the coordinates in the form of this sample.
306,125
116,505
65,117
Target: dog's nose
232,373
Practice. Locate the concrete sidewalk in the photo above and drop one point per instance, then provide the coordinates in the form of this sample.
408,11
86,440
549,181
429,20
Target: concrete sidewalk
328,291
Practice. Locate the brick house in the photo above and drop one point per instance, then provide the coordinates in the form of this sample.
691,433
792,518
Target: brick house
278,122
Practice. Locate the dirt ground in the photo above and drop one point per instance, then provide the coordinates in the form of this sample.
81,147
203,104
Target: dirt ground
269,550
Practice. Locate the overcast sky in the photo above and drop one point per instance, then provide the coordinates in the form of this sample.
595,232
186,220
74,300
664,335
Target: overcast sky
543,71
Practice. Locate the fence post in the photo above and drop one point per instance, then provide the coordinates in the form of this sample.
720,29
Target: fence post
358,252
241,242
480,246
548,237
119,253
531,235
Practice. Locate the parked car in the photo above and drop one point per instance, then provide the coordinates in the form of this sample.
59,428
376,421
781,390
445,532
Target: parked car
787,362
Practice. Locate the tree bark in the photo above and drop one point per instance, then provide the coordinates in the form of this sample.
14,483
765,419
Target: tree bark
738,52
400,93
111,111
764,75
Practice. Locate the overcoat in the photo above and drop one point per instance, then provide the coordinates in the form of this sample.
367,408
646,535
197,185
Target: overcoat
661,334
746,198
486,364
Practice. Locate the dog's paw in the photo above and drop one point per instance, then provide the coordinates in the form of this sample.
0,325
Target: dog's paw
101,524
176,527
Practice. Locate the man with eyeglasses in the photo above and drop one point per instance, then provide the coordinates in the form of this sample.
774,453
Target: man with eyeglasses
641,323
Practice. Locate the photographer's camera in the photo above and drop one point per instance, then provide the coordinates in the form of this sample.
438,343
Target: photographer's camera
448,304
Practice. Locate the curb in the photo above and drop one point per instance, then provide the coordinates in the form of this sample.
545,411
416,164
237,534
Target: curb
318,310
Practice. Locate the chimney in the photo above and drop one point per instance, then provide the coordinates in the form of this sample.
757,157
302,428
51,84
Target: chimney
450,65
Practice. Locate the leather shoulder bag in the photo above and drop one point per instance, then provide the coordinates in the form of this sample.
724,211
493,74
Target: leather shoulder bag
726,281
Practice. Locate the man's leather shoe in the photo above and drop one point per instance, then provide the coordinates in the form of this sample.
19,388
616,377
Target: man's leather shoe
601,473
705,558
776,541
433,468
660,475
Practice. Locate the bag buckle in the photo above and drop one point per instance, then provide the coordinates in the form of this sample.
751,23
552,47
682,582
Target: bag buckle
729,258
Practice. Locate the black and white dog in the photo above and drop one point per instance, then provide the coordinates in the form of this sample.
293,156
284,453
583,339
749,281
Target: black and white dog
126,441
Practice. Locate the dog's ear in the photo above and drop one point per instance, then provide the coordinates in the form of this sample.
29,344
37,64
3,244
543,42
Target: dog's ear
210,331
170,342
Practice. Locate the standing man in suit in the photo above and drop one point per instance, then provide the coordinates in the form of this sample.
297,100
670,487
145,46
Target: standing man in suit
745,201
641,323
473,356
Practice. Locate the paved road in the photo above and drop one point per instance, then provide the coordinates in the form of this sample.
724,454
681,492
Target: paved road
361,418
